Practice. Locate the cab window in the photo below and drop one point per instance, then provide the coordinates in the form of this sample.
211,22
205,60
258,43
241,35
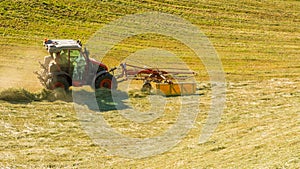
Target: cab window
74,54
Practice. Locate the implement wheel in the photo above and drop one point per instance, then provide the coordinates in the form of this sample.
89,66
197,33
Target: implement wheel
146,87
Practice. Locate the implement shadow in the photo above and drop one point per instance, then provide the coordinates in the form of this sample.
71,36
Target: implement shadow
101,100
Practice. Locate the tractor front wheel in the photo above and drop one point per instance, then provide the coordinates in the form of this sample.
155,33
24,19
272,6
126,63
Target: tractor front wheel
59,82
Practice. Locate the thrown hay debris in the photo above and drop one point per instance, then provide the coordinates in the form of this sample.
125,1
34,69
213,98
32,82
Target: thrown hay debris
138,93
23,95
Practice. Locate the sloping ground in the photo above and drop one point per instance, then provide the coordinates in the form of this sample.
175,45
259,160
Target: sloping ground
259,129
257,41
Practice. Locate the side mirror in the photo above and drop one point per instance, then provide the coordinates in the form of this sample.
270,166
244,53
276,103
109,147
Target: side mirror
79,42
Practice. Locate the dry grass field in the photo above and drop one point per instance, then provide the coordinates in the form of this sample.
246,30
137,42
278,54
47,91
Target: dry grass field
257,42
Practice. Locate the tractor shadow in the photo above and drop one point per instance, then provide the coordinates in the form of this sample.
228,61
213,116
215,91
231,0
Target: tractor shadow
101,100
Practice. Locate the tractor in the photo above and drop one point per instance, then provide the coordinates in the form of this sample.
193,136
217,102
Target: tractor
70,65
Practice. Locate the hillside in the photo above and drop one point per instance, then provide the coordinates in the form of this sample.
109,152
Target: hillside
252,38
257,42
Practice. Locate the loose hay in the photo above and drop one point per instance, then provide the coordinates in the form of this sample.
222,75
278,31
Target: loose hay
23,95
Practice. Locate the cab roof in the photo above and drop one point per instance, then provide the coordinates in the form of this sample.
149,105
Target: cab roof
56,45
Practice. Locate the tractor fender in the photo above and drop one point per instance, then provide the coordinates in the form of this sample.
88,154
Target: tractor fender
101,73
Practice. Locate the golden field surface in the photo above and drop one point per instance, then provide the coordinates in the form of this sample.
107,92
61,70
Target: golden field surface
257,42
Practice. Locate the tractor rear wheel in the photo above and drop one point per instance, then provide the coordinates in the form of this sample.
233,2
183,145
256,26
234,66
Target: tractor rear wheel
106,81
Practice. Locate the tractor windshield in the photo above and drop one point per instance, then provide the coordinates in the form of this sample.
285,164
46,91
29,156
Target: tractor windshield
79,63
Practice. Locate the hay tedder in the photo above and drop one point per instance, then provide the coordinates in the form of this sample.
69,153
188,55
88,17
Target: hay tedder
165,81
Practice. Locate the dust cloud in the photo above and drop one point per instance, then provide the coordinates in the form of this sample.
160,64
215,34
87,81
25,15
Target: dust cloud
17,66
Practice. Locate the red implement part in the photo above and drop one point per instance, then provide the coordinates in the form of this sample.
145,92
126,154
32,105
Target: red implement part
151,74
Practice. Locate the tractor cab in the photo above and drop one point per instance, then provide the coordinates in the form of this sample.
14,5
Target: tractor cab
68,58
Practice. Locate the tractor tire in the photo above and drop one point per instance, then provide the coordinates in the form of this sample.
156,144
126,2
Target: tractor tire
106,81
146,87
59,82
